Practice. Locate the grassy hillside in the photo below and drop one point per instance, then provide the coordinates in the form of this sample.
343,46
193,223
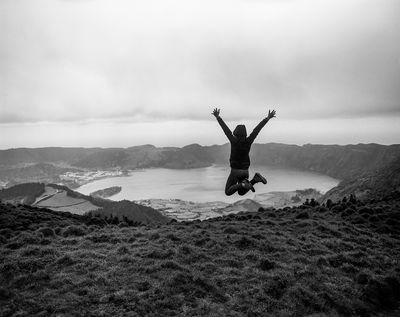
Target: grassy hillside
61,198
22,193
288,262
375,183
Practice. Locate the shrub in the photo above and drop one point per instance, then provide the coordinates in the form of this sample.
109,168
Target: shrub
362,278
74,231
185,249
303,215
28,238
143,286
161,254
7,233
123,249
384,294
365,211
154,236
347,212
231,230
65,260
172,237
266,265
244,243
47,232
5,294
277,286
172,265
252,256
337,208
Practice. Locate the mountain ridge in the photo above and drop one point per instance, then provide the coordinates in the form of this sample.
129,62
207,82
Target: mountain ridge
314,157
344,162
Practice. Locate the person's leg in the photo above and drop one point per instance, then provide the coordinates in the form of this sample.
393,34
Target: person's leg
232,185
243,175
258,178
234,182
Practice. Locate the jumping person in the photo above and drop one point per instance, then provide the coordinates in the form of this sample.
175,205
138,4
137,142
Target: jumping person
238,180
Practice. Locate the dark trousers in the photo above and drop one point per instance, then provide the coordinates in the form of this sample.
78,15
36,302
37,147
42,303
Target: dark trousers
233,183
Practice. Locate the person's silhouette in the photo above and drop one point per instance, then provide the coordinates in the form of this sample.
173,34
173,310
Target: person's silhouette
239,159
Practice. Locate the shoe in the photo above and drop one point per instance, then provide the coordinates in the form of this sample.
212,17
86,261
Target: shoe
247,185
258,178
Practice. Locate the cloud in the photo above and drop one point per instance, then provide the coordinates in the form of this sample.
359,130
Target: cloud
175,60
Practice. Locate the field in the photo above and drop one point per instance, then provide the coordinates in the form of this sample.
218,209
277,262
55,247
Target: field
287,262
58,199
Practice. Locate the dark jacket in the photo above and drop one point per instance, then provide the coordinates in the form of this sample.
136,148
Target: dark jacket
240,143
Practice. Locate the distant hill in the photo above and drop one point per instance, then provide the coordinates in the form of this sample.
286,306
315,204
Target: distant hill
61,198
334,160
372,184
34,172
349,163
21,156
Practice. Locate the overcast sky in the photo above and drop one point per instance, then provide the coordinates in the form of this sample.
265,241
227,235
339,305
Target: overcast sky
122,73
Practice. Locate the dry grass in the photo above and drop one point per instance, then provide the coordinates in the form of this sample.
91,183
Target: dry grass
290,262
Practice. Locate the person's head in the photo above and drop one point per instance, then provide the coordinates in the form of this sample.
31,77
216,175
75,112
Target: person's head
240,131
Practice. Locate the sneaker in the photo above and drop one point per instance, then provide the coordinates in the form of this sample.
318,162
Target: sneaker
246,184
258,178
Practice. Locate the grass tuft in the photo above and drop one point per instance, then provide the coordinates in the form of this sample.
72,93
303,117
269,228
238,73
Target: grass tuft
74,231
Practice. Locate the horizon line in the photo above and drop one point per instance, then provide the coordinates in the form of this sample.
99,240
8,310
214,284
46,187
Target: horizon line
190,144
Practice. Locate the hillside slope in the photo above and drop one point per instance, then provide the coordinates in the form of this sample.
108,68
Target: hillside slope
61,198
289,262
371,184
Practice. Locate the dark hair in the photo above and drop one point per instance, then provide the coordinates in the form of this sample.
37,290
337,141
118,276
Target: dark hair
240,131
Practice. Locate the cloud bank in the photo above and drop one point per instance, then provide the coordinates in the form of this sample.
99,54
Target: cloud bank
175,60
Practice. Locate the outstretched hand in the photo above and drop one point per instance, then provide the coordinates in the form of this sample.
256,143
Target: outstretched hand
215,112
271,114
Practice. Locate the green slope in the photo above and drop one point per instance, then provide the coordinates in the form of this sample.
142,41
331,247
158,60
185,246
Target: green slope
290,262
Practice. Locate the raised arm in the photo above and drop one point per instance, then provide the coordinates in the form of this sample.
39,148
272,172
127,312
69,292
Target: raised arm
223,125
257,129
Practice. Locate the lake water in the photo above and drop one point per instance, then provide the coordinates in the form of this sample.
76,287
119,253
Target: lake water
204,184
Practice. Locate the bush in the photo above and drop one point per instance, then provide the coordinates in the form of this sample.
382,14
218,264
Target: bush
47,232
231,230
303,215
65,260
337,208
123,249
7,233
244,243
365,211
349,211
266,265
172,237
154,236
74,231
384,294
27,238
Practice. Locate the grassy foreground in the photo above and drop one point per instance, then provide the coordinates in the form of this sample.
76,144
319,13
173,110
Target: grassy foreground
288,262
